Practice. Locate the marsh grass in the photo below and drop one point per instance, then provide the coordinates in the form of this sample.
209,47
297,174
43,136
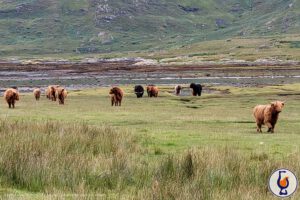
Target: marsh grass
215,174
71,157
53,158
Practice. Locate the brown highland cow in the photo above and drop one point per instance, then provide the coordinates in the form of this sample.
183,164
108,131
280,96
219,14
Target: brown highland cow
116,96
11,96
152,91
37,94
51,92
267,115
178,89
61,94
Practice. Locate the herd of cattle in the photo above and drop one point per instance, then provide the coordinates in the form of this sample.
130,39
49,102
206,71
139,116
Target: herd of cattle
264,114
52,92
152,91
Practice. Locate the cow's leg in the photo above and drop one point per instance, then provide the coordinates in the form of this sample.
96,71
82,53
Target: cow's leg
269,130
9,104
53,97
258,128
269,125
272,129
13,104
112,102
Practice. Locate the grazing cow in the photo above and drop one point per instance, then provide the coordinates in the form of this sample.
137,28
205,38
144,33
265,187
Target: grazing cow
116,96
197,89
267,115
61,94
51,92
37,93
178,89
11,95
139,91
152,91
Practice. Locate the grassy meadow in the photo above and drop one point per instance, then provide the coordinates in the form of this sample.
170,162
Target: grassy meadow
284,47
165,148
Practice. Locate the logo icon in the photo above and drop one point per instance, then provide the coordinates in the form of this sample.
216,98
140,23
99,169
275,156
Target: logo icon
283,183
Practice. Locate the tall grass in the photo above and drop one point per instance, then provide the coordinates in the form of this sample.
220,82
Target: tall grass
59,156
66,158
216,174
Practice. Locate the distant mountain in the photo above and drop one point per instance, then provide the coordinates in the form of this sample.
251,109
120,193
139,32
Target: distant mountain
35,27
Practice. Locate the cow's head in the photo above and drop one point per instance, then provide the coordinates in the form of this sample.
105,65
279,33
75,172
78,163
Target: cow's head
16,96
277,105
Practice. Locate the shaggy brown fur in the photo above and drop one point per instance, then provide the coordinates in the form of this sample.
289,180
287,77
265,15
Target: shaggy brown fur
61,94
152,91
37,94
178,89
11,96
47,92
51,91
267,115
116,96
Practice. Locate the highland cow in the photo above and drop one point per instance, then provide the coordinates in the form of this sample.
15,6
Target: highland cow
178,89
152,91
11,96
51,92
267,115
37,94
61,94
139,91
116,96
197,89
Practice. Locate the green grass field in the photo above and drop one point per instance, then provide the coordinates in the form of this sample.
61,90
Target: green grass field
164,148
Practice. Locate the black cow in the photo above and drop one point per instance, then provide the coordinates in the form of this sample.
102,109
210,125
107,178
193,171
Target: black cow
139,91
197,89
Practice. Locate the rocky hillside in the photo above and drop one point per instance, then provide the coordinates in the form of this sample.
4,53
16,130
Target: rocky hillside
34,27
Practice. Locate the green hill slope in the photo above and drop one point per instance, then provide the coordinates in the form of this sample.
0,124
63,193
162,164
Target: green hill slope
37,27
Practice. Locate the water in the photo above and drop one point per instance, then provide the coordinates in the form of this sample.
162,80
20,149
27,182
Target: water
27,80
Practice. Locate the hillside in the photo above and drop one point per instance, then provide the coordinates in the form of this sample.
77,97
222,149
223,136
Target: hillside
44,27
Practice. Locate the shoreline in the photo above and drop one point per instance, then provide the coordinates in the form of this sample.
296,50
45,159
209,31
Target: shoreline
75,76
